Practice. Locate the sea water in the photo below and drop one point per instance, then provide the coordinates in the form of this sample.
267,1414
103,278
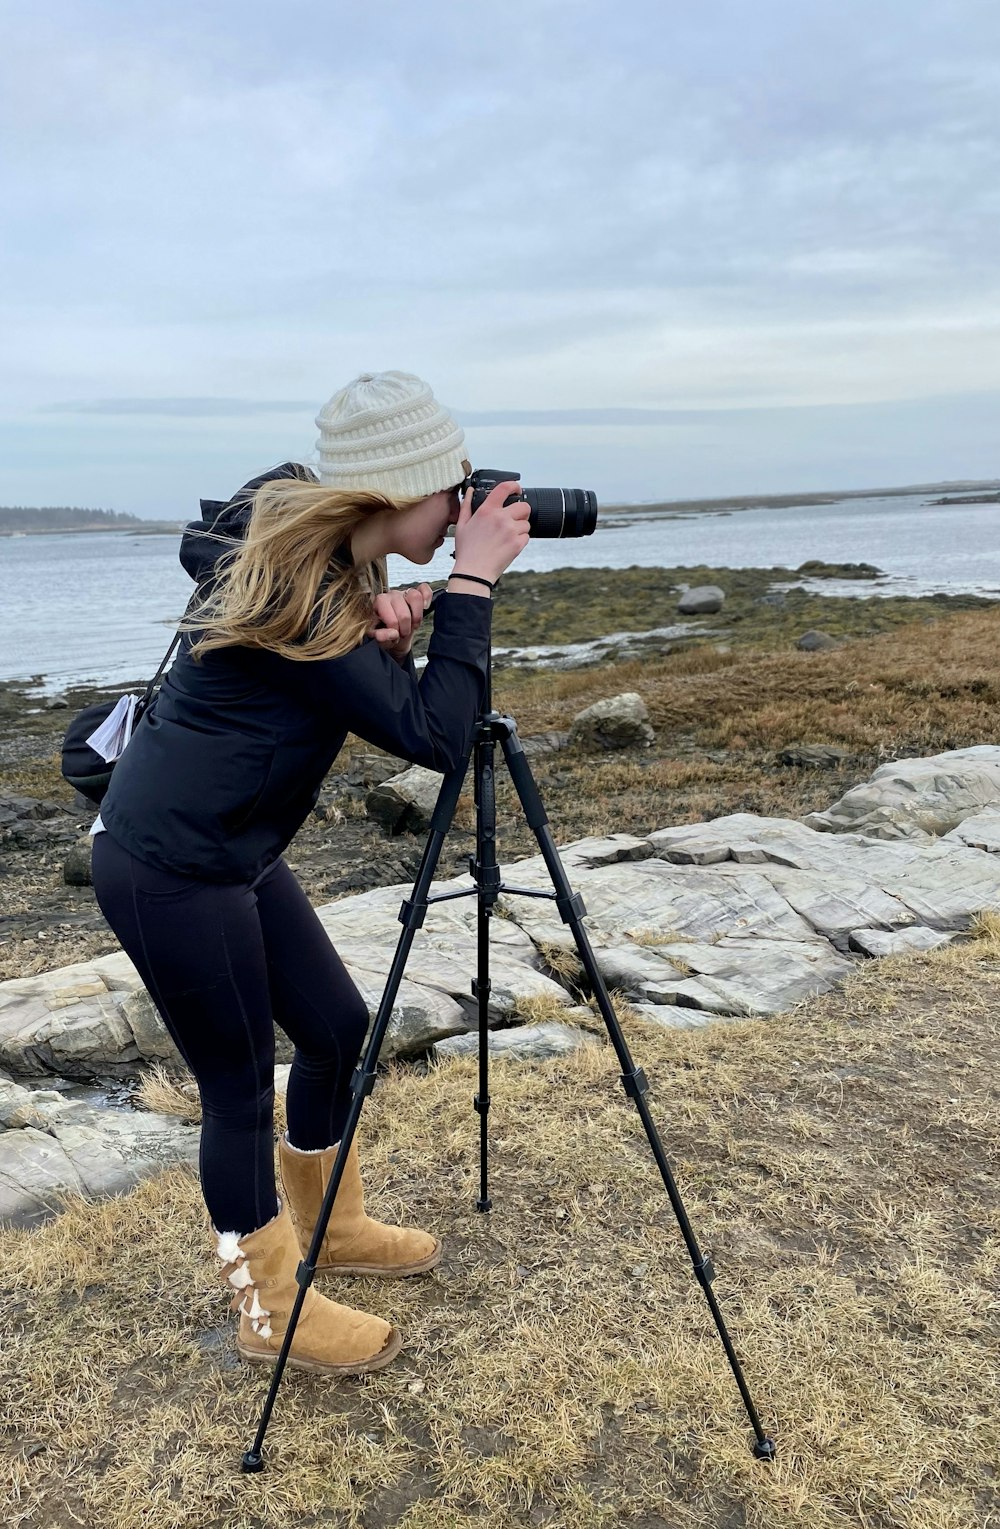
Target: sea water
99,606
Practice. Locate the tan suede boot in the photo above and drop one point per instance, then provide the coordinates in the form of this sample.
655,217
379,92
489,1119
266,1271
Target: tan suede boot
354,1243
328,1337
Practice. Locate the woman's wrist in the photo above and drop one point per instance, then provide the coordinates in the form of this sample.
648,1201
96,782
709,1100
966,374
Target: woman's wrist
471,583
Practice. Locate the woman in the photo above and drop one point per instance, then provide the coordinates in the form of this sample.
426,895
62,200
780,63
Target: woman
294,642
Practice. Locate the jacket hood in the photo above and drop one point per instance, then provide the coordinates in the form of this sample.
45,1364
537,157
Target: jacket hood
199,552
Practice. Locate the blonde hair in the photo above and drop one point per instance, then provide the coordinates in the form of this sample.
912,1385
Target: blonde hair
280,588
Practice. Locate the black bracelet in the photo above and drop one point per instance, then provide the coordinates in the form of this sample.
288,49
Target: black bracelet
474,577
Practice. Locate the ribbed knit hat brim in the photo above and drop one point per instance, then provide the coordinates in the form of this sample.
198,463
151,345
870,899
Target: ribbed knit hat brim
385,431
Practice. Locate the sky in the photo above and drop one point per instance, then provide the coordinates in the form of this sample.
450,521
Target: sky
652,249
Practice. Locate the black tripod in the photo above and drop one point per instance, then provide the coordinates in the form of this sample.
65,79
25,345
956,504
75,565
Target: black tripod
491,729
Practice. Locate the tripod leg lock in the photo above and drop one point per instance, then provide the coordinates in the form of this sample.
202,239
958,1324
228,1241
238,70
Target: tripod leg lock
411,913
572,907
704,1272
481,1103
303,1276
362,1082
635,1083
481,987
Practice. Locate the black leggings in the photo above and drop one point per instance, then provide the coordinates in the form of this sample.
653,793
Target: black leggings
222,964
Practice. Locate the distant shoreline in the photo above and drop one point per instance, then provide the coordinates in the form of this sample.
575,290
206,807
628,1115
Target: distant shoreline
798,501
145,528
725,506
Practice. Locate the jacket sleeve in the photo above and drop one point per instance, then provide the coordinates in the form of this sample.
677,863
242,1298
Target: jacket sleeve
427,719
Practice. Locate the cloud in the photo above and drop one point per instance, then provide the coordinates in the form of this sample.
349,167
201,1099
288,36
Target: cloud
224,211
194,408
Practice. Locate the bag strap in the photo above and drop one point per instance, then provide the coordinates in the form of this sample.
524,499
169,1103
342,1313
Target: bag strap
147,694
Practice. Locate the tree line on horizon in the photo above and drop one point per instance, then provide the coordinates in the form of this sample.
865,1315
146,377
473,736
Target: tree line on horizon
19,517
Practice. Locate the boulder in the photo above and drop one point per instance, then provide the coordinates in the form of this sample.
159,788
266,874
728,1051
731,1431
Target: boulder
405,802
703,601
619,722
816,642
372,769
76,866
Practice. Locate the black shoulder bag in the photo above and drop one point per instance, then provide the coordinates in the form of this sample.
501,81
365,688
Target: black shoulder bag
82,766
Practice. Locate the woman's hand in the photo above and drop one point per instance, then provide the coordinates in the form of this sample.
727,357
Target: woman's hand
489,541
399,612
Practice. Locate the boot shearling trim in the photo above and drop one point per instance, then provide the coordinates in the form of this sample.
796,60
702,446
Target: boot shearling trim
240,1277
307,1151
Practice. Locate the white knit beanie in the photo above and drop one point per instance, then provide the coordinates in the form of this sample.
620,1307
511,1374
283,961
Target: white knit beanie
386,431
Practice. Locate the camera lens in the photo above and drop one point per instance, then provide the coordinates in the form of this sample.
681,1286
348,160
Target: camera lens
561,511
554,511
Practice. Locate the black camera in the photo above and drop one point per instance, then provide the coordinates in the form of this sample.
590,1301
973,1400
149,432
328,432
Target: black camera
554,511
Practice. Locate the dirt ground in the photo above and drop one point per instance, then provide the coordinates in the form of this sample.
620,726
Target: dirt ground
560,1368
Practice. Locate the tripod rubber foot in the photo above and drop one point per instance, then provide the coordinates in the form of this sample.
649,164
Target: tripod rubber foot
486,1204
764,1449
252,1462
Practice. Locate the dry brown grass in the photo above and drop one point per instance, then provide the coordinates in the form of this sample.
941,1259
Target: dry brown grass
918,689
560,1367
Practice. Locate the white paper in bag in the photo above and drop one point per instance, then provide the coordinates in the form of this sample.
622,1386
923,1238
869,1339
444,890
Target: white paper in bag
110,738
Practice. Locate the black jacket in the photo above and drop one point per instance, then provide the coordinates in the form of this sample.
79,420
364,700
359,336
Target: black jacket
228,761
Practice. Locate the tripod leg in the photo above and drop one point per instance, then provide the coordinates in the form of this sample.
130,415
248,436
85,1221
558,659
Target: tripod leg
411,915
571,908
486,873
481,988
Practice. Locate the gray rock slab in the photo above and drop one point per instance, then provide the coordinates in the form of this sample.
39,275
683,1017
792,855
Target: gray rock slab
436,992
635,968
834,908
692,1016
605,850
812,756
452,973
420,1015
527,1043
153,1041
918,797
939,882
51,1145
894,942
751,977
740,836
656,897
981,831
76,1039
816,642
741,915
373,918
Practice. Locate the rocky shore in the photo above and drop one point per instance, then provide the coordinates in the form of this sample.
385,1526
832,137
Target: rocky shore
562,640
742,916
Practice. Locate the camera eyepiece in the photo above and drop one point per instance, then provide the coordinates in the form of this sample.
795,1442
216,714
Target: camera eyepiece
554,511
